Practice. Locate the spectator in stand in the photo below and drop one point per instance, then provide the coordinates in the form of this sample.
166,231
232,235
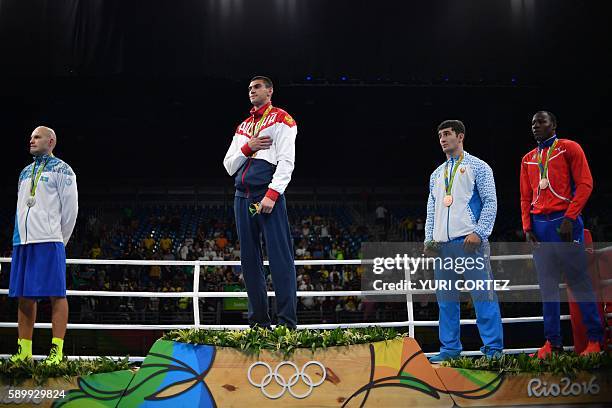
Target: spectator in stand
407,228
148,243
323,273
324,233
236,251
340,254
221,241
419,227
336,281
301,249
351,304
155,273
184,251
167,255
381,215
96,251
165,244
308,303
410,228
209,251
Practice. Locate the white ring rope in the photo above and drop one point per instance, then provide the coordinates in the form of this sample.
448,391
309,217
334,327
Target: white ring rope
325,326
195,294
298,262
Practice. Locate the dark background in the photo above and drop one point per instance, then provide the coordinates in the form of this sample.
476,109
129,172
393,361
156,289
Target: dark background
150,92
153,90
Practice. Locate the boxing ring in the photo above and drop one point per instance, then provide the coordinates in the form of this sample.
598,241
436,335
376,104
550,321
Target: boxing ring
411,323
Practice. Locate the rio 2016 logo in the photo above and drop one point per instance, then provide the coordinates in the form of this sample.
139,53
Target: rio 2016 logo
538,388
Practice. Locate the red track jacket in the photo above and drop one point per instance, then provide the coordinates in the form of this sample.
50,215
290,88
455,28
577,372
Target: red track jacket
570,180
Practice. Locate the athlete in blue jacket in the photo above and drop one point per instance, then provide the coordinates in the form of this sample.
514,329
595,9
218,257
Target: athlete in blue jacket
461,212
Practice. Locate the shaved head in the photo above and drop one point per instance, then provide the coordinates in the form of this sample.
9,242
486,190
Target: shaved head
43,130
42,141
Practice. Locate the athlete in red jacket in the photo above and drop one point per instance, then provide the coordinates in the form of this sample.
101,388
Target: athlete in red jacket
555,185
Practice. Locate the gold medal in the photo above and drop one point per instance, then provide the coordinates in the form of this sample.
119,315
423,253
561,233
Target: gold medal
544,184
257,126
448,200
254,209
31,202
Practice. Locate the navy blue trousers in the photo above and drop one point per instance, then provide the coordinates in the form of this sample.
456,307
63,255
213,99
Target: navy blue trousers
550,259
274,228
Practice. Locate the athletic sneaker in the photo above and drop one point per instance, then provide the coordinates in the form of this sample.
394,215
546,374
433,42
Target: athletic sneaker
24,351
55,356
492,353
592,348
546,350
443,356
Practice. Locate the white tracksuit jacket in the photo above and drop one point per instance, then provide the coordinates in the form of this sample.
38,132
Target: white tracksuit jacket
54,215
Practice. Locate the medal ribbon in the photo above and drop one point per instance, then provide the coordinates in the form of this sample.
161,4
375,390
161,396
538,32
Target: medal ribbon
254,209
449,183
257,126
544,167
35,180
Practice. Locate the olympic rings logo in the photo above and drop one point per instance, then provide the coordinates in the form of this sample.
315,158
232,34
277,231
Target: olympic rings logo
280,380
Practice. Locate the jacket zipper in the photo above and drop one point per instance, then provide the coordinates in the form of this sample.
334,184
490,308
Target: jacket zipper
244,174
26,225
448,208
448,224
28,213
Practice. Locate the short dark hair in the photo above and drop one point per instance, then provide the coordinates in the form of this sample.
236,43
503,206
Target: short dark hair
456,125
267,81
551,115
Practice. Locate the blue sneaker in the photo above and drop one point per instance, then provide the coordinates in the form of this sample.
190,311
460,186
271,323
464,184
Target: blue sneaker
443,356
492,353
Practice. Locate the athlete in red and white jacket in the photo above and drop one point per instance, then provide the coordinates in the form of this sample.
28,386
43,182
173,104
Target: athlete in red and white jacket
569,180
555,185
261,159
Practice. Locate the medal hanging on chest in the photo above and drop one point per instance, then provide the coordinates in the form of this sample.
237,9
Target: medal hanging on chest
544,183
448,182
257,126
31,202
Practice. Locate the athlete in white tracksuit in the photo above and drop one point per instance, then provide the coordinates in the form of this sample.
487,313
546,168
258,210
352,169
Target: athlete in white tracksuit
47,207
461,211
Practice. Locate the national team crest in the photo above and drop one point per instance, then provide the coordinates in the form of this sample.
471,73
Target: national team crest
462,170
289,120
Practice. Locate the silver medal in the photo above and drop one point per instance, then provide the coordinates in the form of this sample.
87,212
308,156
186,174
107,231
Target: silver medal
31,201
